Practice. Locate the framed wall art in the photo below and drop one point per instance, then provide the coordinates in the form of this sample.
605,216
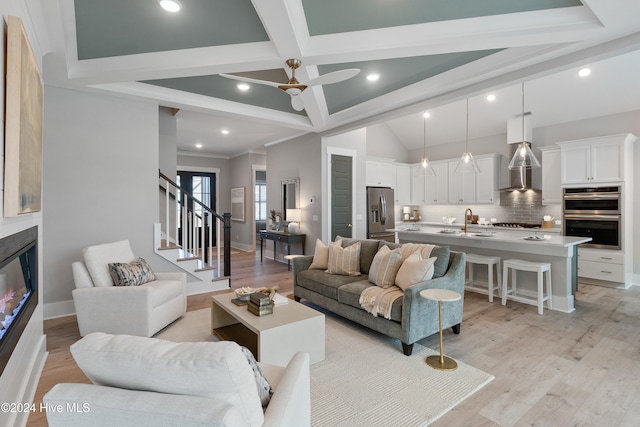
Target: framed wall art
23,125
237,204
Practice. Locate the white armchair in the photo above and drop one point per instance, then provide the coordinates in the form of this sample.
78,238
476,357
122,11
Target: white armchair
134,310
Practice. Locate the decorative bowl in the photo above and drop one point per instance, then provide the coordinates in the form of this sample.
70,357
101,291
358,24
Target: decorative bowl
448,219
244,293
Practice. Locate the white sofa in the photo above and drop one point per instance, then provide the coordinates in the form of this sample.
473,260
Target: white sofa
150,382
134,310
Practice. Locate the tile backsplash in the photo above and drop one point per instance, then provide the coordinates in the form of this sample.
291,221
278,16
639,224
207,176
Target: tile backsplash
515,206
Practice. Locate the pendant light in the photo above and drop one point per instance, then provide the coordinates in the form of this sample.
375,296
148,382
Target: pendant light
523,157
427,169
467,163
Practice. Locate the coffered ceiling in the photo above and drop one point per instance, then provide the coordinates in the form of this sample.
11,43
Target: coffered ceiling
428,54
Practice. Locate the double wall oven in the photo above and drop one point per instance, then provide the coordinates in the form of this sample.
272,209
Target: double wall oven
594,212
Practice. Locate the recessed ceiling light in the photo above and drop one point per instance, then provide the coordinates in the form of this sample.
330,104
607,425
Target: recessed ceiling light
243,86
373,77
198,145
170,5
491,97
426,115
224,131
584,72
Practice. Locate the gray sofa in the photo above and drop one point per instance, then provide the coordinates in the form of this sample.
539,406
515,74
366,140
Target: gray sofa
412,317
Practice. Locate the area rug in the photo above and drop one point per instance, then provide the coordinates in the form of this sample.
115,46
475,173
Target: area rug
365,379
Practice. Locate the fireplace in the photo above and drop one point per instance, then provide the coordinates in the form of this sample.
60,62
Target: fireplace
18,288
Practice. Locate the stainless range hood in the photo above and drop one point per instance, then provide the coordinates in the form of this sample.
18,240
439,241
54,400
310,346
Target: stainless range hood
519,179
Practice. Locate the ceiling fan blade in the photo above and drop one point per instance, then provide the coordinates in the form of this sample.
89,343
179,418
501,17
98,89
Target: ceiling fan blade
334,77
249,80
297,103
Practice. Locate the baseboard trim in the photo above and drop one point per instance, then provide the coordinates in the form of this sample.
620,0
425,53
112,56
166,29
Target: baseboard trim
53,310
243,247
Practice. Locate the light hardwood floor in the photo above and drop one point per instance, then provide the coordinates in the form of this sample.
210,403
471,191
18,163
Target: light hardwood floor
558,369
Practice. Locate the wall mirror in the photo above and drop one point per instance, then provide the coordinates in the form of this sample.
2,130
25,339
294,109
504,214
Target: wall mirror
290,195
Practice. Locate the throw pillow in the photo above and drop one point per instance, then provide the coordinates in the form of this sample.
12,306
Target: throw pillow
443,253
264,388
385,266
320,256
134,273
344,261
415,270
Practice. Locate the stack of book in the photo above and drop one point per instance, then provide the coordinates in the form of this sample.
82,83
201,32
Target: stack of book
259,304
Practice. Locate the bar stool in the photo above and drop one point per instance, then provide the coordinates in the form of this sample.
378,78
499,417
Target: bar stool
490,262
537,267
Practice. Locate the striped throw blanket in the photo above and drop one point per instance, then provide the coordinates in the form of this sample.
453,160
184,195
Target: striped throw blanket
377,300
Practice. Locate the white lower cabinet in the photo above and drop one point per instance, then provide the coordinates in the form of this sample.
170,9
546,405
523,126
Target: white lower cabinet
601,264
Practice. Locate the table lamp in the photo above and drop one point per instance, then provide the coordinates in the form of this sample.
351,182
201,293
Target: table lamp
294,217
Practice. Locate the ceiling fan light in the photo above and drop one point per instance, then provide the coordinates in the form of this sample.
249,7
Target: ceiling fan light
170,5
293,91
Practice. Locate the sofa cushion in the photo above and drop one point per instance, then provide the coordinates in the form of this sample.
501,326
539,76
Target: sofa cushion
265,391
324,283
415,270
385,266
390,245
96,259
216,370
320,256
133,273
344,261
349,294
368,249
164,291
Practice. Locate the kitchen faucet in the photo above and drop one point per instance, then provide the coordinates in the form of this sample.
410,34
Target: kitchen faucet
465,218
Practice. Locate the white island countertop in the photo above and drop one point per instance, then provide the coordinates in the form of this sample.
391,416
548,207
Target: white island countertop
559,251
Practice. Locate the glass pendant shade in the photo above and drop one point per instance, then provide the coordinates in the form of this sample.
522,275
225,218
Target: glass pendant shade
467,163
427,169
524,158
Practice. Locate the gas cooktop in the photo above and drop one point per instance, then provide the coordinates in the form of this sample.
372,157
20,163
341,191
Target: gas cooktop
515,225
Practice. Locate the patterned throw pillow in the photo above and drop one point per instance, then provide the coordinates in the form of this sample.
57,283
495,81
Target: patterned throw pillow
264,388
385,266
415,270
134,273
344,261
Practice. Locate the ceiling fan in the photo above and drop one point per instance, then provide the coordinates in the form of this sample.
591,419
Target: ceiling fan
293,87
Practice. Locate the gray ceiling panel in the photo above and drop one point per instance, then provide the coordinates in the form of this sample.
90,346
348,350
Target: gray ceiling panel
223,88
394,74
340,16
125,27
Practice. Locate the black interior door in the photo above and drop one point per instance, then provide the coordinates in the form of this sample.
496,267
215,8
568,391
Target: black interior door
341,196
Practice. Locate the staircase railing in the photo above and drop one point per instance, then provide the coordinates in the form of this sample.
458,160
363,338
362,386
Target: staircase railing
193,230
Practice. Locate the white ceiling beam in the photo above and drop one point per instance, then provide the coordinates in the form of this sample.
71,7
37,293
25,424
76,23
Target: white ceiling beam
282,26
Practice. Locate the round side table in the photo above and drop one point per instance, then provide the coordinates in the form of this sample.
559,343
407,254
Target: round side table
441,362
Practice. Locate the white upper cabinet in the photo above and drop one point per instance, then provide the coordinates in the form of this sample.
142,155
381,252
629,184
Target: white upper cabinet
436,188
403,184
592,160
462,186
417,185
380,174
488,179
551,188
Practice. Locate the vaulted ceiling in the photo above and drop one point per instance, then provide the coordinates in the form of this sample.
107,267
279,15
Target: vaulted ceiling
427,53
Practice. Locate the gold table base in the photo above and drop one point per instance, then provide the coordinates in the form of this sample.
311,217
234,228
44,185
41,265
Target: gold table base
441,362
447,364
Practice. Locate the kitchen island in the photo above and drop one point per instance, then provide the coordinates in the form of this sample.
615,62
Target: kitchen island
560,251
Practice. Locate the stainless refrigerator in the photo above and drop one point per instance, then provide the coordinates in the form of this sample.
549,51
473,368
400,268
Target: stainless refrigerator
380,213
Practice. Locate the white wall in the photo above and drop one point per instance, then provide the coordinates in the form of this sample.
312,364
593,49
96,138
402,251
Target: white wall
100,183
382,142
22,372
243,233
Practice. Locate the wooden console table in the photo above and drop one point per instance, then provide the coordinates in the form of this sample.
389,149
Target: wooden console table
281,236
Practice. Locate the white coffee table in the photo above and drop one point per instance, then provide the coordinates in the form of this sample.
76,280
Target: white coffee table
273,338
